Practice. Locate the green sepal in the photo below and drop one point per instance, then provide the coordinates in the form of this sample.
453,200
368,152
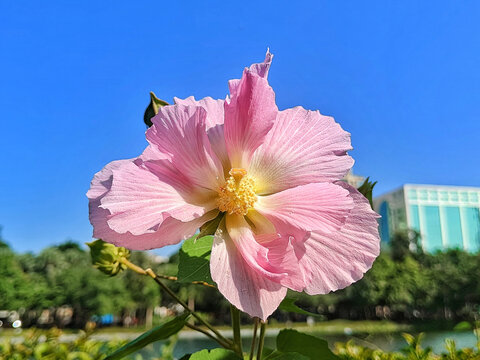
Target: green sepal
366,190
152,108
107,257
210,227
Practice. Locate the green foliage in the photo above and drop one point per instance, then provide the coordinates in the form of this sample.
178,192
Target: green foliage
288,304
161,332
152,109
194,261
214,354
311,347
413,351
47,345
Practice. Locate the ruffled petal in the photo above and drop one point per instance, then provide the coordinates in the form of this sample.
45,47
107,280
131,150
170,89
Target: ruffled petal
282,254
334,261
322,206
214,122
261,69
249,116
254,254
303,147
138,201
170,232
179,132
242,286
214,109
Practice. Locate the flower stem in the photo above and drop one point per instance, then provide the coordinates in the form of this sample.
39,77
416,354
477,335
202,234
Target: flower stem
237,338
219,337
254,337
261,339
196,328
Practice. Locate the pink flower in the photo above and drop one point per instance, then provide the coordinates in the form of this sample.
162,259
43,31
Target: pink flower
289,222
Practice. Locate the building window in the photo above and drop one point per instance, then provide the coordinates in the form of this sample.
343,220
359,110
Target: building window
432,229
423,194
471,225
384,228
453,226
444,195
412,194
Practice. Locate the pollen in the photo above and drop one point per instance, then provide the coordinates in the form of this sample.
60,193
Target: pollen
237,195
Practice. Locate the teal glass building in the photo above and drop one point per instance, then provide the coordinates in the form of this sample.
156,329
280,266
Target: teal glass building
445,216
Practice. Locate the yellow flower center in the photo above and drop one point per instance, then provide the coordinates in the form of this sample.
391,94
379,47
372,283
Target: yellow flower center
238,193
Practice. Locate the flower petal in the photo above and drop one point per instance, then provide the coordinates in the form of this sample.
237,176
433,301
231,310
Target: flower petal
239,283
170,232
138,201
282,254
179,132
214,122
322,206
214,109
303,147
249,116
261,69
254,254
334,261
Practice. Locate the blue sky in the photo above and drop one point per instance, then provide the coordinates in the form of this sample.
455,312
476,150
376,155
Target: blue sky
402,77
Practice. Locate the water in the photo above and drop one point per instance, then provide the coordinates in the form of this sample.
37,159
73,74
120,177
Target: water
387,342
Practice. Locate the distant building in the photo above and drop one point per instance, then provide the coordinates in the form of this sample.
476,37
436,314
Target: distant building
445,216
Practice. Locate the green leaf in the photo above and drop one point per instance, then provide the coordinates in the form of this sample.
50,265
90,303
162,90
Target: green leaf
160,332
366,189
277,355
152,108
215,354
288,304
292,341
194,260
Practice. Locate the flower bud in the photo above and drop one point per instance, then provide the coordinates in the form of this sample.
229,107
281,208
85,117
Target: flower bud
107,257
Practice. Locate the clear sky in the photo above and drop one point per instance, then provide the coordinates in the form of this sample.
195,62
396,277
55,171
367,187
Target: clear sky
402,76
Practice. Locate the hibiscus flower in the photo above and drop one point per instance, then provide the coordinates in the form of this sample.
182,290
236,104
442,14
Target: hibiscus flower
271,178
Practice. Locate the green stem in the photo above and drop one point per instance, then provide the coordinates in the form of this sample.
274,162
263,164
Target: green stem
196,328
254,337
237,338
220,338
261,340
185,306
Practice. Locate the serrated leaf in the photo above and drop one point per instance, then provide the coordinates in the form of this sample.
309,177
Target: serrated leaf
366,189
160,332
152,108
215,354
194,260
292,341
288,304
